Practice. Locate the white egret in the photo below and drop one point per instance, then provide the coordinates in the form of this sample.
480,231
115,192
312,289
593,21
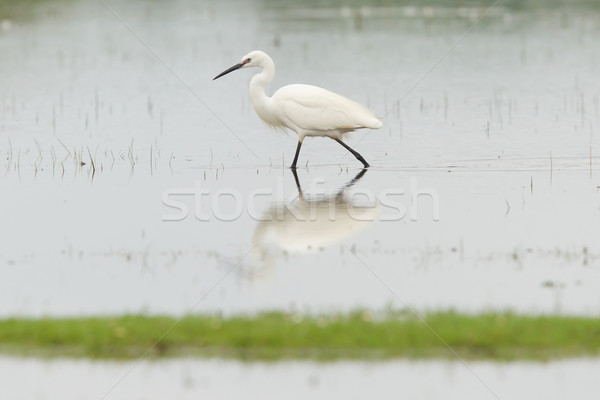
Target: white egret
305,109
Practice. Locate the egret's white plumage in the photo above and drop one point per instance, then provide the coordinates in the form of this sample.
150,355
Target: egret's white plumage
313,111
307,110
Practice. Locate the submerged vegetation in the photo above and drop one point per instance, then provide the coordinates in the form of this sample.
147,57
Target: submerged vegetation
273,336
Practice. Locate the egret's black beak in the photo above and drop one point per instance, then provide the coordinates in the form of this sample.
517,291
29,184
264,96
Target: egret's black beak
236,66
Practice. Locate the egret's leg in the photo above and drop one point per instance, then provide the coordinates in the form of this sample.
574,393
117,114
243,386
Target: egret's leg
354,153
293,166
300,193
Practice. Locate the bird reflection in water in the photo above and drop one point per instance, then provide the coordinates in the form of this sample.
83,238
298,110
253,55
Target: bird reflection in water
311,223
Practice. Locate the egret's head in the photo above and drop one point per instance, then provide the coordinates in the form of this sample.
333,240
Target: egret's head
255,58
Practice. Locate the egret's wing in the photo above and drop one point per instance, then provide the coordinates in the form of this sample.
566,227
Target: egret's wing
313,108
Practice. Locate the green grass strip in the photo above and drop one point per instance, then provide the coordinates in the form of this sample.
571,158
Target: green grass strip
274,336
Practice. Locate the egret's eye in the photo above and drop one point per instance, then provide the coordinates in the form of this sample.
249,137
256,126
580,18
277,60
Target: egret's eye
247,61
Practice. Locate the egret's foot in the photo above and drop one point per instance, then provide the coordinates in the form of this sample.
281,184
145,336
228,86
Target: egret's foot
361,159
354,153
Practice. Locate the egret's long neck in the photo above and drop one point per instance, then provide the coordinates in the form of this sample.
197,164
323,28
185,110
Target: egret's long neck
259,99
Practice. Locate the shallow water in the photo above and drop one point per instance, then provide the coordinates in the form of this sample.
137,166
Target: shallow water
502,133
216,379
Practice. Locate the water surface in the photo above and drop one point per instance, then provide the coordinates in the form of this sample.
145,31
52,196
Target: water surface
503,132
